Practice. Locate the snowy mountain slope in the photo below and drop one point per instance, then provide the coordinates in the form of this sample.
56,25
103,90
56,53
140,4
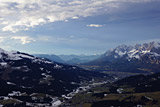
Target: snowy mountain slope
145,57
137,51
24,73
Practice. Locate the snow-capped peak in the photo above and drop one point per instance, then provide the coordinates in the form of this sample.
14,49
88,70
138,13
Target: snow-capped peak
136,51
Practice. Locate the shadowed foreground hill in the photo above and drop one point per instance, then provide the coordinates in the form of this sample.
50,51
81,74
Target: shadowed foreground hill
30,79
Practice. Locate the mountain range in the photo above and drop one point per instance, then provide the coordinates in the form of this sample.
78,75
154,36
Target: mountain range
27,80
68,59
138,58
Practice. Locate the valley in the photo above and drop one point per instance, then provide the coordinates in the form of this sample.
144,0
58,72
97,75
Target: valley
107,81
79,53
134,91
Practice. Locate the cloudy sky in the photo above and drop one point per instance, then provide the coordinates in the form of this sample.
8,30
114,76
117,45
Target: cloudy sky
77,26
